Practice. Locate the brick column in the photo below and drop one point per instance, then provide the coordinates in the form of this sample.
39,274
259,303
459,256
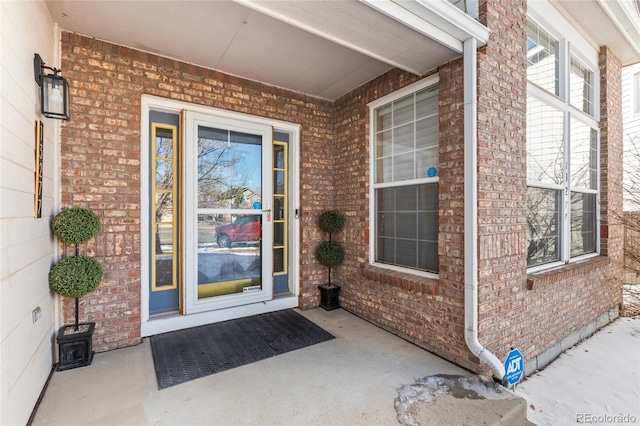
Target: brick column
611,171
502,179
611,149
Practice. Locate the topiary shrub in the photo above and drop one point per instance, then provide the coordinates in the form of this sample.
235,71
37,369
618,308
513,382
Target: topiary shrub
329,253
75,276
76,225
330,221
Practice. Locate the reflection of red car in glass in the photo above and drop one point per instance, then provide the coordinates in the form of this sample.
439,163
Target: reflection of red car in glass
245,228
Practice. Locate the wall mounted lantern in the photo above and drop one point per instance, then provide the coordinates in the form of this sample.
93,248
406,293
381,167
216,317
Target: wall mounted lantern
54,90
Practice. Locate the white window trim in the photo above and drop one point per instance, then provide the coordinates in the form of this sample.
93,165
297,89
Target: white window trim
635,94
407,90
596,85
577,48
373,105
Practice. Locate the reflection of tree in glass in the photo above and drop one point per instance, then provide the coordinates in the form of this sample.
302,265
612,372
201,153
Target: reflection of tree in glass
217,179
229,168
631,220
164,174
545,145
631,188
542,225
584,155
548,161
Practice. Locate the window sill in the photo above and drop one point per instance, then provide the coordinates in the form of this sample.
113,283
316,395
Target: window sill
544,278
414,284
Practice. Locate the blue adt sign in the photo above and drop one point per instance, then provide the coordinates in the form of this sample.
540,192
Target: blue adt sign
514,366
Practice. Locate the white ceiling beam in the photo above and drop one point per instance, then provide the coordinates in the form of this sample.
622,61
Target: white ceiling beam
450,19
320,26
436,19
416,22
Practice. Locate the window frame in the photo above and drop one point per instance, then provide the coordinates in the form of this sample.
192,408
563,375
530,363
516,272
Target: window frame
636,93
427,82
591,101
563,102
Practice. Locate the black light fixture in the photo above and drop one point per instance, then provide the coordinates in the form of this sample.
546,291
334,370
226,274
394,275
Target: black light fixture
54,90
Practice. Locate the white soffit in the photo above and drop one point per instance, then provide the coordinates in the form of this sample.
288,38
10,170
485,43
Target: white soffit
323,48
612,23
361,28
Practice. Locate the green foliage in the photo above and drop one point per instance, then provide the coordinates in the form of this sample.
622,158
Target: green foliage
330,253
76,225
75,276
330,221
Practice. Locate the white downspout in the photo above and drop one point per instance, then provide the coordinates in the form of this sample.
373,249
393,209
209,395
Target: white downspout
471,211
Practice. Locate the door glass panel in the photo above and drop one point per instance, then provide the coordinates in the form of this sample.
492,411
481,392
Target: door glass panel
164,238
278,259
164,143
164,138
164,273
278,182
278,159
278,234
164,174
229,258
229,169
229,183
163,285
279,208
164,207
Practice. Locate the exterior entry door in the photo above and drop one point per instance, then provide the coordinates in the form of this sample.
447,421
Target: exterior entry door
228,212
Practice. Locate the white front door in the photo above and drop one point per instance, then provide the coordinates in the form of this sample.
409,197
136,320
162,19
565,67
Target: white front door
227,212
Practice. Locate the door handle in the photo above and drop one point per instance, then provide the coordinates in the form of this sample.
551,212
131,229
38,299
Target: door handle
268,212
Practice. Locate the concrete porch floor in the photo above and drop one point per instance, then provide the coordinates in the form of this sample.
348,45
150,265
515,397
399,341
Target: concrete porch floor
350,380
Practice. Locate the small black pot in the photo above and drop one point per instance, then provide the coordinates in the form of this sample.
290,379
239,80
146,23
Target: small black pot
329,299
75,347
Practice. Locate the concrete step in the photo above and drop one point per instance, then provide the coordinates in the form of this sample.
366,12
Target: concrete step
459,401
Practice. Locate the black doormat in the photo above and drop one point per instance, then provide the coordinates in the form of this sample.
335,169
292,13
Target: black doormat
180,356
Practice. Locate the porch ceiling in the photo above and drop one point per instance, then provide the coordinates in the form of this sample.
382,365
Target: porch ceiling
321,48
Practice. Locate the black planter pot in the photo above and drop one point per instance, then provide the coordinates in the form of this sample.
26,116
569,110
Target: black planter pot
329,299
75,347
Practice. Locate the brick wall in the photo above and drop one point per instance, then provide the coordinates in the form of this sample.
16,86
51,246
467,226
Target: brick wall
534,312
100,163
515,310
611,149
561,301
502,176
101,170
428,312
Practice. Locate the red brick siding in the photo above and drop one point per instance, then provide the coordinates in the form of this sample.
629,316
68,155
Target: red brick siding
533,312
561,301
100,156
611,151
428,312
502,184
100,163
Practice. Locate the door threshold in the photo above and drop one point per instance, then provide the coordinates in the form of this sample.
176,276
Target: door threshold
164,323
